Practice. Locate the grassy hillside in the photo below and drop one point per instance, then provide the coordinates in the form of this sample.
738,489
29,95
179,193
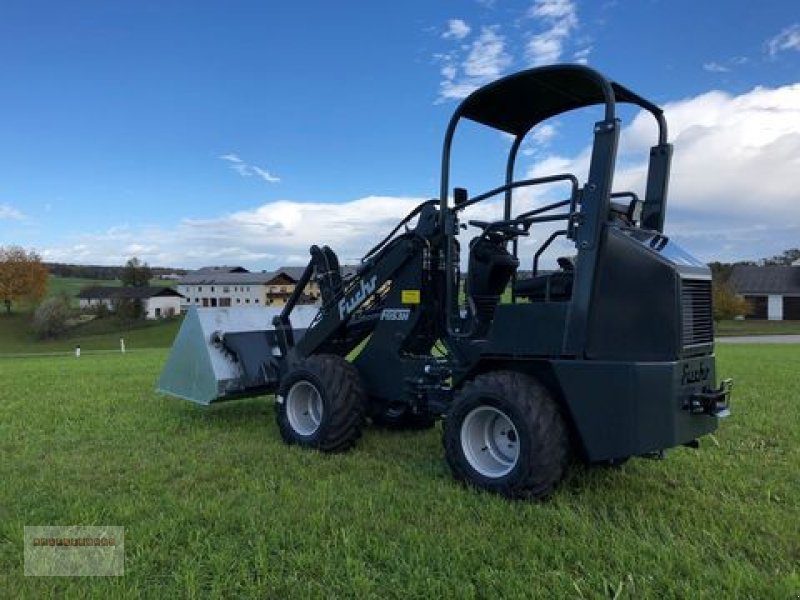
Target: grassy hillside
103,334
215,505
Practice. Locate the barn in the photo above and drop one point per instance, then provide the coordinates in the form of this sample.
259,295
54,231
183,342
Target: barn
773,291
158,302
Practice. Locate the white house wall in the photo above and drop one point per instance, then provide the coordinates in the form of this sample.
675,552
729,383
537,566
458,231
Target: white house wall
240,295
775,307
169,305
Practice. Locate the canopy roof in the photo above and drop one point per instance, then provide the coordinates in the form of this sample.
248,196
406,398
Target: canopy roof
516,103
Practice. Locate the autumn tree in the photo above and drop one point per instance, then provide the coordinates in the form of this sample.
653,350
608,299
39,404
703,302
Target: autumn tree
727,304
136,273
22,276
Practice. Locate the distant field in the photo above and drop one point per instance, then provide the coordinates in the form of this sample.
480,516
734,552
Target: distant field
751,327
215,505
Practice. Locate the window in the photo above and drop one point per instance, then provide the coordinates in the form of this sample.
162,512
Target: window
197,300
212,288
247,300
256,300
205,301
224,301
238,301
226,290
199,288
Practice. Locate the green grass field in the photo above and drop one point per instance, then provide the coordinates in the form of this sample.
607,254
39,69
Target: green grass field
727,328
215,505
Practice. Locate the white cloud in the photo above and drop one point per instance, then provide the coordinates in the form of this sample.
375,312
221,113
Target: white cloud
561,19
265,175
543,134
582,56
10,213
261,238
788,39
456,29
466,67
715,67
247,170
485,60
736,170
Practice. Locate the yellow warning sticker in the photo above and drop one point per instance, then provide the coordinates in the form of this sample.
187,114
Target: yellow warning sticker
409,296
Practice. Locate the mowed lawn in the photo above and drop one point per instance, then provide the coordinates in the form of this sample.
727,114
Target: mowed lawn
215,505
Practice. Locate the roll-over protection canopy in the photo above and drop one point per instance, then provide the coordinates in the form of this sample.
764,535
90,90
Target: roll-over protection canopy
515,104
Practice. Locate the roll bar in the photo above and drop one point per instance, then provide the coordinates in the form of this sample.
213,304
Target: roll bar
516,104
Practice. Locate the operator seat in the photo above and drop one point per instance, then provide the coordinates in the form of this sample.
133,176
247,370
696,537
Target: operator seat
489,271
555,286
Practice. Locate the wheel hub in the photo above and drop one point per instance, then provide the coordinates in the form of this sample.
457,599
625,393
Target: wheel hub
304,408
490,441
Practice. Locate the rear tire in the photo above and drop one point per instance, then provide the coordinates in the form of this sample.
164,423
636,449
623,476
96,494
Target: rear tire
321,404
505,434
399,417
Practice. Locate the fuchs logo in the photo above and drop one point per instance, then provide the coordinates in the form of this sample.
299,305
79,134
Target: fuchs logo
694,374
348,305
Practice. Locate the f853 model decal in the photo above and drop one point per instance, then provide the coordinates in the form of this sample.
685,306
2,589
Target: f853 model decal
395,314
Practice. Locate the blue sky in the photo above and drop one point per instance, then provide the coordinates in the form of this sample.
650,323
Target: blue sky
193,133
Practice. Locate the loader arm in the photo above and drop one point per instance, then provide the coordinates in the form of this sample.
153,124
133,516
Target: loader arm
349,314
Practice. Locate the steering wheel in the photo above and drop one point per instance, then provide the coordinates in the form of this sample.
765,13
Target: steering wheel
509,229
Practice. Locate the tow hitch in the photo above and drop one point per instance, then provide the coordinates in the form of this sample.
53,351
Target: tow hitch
711,402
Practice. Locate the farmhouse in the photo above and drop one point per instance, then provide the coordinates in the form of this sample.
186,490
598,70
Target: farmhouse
157,302
236,286
773,291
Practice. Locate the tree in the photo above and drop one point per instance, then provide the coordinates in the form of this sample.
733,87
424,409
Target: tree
129,309
136,273
22,276
727,304
50,318
787,258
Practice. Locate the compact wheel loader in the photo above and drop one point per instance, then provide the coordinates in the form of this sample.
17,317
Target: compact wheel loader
610,356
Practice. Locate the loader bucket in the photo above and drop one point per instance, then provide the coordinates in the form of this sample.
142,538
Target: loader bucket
202,367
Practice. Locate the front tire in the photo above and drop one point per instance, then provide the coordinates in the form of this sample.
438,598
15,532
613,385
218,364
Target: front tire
321,404
505,434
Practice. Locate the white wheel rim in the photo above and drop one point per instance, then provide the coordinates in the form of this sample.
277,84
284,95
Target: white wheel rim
304,408
490,441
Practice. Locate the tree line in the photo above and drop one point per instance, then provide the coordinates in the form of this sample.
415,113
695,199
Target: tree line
722,271
101,271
